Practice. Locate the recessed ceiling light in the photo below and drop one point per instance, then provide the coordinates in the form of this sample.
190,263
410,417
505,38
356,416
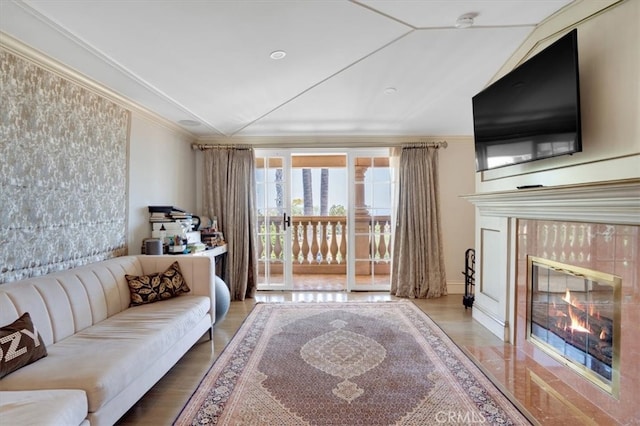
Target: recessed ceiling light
278,54
466,20
189,123
390,90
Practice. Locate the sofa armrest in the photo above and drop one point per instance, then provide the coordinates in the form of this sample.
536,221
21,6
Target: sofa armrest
199,272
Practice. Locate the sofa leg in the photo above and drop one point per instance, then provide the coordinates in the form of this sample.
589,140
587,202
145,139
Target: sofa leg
211,333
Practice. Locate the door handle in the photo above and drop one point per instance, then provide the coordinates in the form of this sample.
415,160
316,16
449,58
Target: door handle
286,220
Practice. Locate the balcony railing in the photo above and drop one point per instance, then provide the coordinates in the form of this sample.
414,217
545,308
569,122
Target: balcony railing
319,244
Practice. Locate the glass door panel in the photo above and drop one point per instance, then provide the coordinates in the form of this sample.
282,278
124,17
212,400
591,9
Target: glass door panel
372,226
274,230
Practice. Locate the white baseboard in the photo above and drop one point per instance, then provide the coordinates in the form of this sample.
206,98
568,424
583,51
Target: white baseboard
490,321
455,287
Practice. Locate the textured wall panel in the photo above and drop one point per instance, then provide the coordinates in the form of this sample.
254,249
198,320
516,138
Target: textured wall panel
63,171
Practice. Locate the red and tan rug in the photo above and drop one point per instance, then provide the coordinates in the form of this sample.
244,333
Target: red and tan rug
354,363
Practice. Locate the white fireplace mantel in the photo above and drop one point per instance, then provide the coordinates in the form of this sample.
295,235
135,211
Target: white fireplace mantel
611,202
615,202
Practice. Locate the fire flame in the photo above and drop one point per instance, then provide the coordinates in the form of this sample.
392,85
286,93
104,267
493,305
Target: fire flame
575,302
577,324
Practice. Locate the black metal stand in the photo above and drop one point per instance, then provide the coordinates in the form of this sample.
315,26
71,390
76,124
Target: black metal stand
469,278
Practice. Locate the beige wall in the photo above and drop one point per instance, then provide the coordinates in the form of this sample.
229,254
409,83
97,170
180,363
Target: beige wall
609,60
162,171
457,170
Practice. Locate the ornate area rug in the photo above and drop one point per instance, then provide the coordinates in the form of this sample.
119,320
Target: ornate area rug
353,363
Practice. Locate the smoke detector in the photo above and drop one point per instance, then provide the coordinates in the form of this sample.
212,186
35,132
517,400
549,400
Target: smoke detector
466,20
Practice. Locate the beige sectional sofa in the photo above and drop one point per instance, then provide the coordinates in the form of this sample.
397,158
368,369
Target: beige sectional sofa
108,353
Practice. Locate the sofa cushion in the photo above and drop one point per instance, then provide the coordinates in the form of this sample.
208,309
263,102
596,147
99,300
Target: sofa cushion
158,286
43,407
20,345
105,358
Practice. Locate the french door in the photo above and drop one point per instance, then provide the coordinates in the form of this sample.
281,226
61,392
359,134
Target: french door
324,219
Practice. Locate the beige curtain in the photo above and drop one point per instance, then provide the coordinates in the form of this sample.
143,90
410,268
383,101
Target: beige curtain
418,265
228,195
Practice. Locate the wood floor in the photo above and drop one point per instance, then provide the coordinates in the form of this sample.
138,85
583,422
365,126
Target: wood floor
529,385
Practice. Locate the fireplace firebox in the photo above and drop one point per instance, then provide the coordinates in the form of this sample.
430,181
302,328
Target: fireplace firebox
574,316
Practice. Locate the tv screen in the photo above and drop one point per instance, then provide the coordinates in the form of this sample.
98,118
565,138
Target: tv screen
533,112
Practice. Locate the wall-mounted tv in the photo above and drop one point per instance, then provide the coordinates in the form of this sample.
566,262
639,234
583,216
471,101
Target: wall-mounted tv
533,112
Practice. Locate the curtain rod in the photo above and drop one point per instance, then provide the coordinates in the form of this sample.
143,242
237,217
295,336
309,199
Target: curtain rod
438,144
204,147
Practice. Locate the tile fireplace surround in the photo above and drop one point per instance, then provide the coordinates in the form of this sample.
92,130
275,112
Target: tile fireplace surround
594,226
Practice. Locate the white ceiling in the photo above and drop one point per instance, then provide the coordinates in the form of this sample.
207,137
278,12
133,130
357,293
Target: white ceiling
209,60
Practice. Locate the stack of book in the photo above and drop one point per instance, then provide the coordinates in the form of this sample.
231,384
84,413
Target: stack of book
158,217
164,214
181,215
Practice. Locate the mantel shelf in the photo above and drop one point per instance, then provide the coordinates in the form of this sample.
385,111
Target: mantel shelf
616,202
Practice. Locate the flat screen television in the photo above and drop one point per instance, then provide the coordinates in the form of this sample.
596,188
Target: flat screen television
533,112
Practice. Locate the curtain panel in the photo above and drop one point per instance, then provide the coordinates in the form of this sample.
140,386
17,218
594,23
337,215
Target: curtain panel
228,195
418,269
